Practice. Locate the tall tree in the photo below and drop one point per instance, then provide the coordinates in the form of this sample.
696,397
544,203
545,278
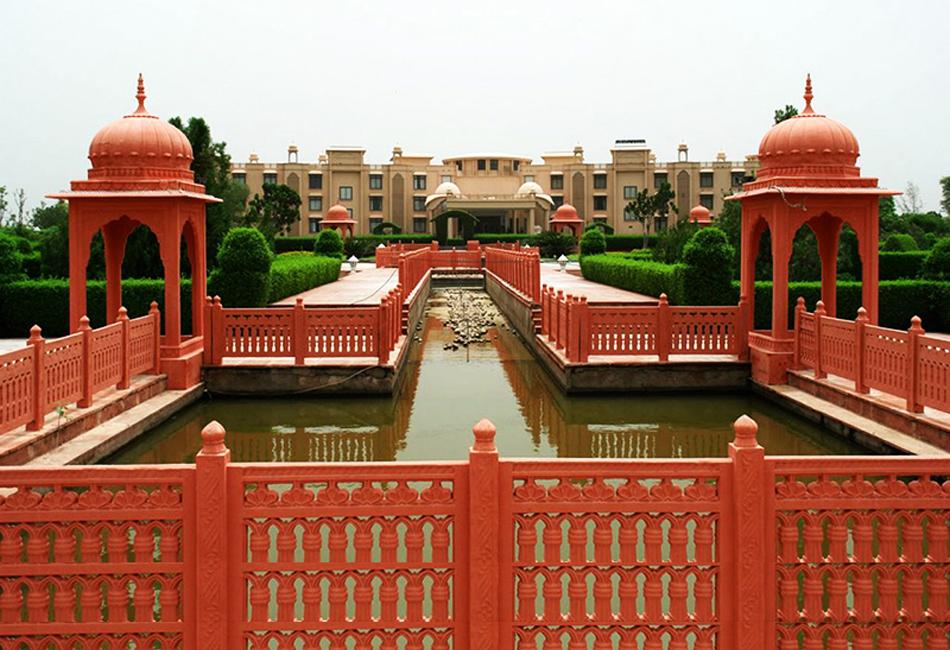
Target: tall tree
646,207
274,212
19,200
3,204
50,216
945,192
909,202
212,168
782,114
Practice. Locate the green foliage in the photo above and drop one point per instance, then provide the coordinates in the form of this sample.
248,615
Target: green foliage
49,216
888,219
593,242
505,238
212,168
782,114
645,207
937,264
899,242
46,303
643,255
289,244
900,265
649,278
243,275
708,258
293,273
670,242
945,195
329,243
465,222
603,226
358,247
274,212
629,242
554,244
387,227
11,259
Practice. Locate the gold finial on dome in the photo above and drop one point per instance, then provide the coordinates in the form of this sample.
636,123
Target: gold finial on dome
140,95
808,95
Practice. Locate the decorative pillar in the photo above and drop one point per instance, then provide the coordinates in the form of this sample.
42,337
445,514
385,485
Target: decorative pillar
212,547
828,234
483,536
781,250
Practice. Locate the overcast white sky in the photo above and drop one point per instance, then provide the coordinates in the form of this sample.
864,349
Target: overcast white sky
445,78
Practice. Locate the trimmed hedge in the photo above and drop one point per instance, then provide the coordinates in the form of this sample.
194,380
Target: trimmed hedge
593,242
242,278
897,265
290,244
329,243
505,238
708,258
628,242
650,278
899,242
46,303
293,273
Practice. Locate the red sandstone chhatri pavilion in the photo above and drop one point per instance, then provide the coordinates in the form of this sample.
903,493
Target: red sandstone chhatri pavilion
141,175
338,217
565,219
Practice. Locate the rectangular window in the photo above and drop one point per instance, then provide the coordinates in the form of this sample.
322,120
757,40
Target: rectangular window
315,203
313,225
418,182
600,181
375,204
493,164
558,200
446,178
458,165
373,222
706,200
346,193
600,202
418,204
658,179
315,181
737,179
239,177
557,182
375,181
516,165
419,225
705,179
270,177
628,215
629,192
481,165
349,213
528,178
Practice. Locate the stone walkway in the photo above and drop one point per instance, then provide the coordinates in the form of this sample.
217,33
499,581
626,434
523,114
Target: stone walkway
570,281
365,288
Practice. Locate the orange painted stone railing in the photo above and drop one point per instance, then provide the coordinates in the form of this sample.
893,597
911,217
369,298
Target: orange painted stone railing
909,364
570,324
519,268
388,256
49,374
303,332
746,551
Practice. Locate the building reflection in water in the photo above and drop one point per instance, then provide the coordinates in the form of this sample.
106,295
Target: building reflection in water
445,391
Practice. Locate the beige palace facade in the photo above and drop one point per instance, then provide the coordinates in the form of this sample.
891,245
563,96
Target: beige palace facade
506,193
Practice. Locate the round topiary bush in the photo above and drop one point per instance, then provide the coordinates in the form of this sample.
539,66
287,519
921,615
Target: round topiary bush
11,259
242,278
708,257
593,242
937,264
329,244
899,242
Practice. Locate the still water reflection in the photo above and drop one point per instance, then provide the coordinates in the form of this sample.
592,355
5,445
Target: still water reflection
446,391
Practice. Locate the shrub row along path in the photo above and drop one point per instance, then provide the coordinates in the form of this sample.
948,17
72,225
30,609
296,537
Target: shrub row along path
365,288
571,282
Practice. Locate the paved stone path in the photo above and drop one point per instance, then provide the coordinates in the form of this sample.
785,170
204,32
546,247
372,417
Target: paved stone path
570,281
365,288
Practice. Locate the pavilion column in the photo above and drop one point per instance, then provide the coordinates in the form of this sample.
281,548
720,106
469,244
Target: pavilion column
195,245
751,237
781,250
868,247
114,236
79,239
828,233
171,253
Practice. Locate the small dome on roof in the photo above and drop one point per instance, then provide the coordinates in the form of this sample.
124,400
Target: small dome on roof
140,141
700,214
337,213
566,212
448,188
529,187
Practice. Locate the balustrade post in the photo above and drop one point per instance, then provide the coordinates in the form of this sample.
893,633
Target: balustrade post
797,356
207,343
483,538
747,593
859,350
535,276
913,363
212,544
664,337
382,346
298,341
217,327
85,401
125,369
819,315
156,317
583,326
39,379
570,347
558,306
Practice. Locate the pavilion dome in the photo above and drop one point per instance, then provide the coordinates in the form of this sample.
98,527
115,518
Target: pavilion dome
566,212
808,144
529,187
448,188
699,213
140,144
337,213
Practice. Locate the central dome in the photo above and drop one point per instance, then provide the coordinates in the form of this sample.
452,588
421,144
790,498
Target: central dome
140,145
808,140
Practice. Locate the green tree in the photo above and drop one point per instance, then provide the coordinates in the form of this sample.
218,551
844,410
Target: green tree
212,168
50,216
11,260
910,201
242,278
782,114
888,219
646,207
937,264
274,212
329,243
708,275
945,192
593,242
3,204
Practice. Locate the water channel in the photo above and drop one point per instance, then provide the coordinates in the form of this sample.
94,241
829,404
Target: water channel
447,388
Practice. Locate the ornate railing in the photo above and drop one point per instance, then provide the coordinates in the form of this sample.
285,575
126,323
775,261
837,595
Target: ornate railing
746,551
519,268
571,324
909,364
48,374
